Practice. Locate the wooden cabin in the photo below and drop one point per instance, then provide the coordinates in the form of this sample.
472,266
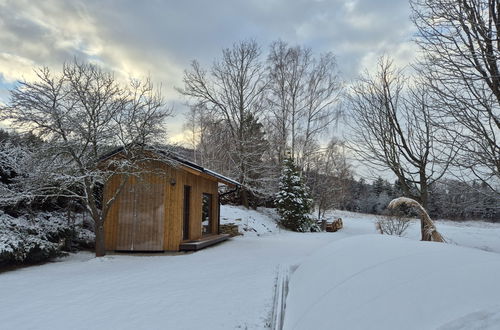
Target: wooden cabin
172,206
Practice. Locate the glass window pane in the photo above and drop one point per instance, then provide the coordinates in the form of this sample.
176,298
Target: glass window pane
206,220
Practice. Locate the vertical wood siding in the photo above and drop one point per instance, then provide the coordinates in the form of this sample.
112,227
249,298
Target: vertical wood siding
148,214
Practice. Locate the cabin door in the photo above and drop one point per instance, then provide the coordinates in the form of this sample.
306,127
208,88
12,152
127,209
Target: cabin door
140,223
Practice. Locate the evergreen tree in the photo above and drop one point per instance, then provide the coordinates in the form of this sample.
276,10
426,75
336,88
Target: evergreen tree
293,201
378,186
256,169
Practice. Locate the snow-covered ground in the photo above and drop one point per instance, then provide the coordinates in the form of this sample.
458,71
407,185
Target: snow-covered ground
475,234
250,222
385,282
231,285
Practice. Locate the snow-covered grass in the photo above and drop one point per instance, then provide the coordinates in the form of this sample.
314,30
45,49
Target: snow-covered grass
231,285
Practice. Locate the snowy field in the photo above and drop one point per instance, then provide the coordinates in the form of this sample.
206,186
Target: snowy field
377,282
352,278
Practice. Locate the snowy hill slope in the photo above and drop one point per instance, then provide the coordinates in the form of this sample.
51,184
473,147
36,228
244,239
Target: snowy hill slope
250,222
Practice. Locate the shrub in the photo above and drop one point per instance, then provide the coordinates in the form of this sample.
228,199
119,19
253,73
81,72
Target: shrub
393,224
29,239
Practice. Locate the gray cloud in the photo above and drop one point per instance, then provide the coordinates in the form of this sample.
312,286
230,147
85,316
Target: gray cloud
160,38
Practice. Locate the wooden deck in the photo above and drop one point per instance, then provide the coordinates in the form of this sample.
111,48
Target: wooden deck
198,244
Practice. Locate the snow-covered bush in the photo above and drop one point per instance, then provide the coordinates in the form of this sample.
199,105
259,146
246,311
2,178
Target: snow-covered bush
39,237
293,201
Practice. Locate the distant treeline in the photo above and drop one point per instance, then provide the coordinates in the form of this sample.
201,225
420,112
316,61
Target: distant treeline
449,198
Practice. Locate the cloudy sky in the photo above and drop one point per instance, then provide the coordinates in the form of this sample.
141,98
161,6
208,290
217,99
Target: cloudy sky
160,37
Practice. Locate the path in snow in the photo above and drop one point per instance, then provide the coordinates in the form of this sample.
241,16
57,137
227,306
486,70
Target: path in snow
228,286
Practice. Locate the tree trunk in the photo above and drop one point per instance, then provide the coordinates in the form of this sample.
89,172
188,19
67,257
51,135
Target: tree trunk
426,235
100,250
244,197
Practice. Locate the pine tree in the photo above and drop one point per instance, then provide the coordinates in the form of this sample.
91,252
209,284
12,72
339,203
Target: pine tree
293,201
378,186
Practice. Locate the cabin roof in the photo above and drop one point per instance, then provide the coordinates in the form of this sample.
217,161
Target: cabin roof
172,156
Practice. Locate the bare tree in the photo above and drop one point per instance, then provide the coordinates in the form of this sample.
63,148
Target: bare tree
196,123
302,96
460,57
83,113
233,94
391,128
215,146
329,177
287,70
322,94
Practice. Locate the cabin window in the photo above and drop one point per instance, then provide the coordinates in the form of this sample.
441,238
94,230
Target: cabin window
185,220
206,214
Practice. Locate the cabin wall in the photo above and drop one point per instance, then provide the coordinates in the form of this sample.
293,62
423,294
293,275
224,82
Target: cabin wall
199,185
173,181
116,233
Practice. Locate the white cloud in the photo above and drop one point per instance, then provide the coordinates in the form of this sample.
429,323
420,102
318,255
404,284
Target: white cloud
160,38
13,67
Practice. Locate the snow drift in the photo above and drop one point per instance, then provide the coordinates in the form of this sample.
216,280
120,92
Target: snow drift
382,282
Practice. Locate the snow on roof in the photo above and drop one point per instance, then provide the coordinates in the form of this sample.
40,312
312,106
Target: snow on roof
175,157
204,170
220,176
